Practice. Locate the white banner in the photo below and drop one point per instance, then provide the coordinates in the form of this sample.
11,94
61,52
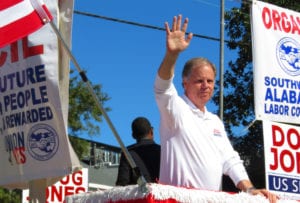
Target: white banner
282,159
33,125
276,62
75,183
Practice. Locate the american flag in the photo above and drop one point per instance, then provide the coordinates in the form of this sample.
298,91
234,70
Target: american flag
19,18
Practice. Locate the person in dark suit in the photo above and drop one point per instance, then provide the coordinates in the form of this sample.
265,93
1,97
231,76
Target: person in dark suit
145,153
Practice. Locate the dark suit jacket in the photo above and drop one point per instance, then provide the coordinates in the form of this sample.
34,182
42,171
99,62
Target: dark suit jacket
146,155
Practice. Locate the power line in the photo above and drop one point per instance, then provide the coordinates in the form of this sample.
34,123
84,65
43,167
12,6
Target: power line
207,2
139,24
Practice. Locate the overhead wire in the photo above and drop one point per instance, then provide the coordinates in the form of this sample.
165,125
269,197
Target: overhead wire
155,27
214,4
159,28
138,24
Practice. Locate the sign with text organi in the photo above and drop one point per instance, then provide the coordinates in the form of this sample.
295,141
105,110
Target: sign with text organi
282,158
33,134
276,62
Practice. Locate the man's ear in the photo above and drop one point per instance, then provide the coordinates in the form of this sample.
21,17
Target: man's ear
183,83
151,132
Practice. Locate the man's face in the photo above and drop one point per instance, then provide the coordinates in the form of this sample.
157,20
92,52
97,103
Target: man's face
199,86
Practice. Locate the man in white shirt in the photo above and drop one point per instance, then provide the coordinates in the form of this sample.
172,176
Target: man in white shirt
195,150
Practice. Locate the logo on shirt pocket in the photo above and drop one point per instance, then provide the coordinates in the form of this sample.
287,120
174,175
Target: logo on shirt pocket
217,132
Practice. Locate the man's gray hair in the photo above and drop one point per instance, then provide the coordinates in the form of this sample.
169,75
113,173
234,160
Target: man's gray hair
190,64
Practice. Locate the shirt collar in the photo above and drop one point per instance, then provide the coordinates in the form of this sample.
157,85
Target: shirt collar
145,141
194,108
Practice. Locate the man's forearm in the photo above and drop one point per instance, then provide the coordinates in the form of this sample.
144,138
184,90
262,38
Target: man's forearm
166,69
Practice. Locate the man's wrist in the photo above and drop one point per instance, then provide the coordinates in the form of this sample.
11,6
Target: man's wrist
250,190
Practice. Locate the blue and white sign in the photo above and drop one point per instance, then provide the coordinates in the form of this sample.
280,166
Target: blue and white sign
276,63
33,105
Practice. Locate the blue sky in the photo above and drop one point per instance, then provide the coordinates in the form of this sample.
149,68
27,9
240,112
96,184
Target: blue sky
124,58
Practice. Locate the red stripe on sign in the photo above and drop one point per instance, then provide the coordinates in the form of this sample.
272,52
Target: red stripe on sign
20,28
4,4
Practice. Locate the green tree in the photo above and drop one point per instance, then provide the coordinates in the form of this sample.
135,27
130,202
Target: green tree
239,89
10,196
84,116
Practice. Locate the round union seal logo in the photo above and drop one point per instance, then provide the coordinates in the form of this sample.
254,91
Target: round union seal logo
42,142
288,55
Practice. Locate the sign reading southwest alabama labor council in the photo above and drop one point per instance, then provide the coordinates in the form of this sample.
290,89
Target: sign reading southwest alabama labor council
276,62
33,140
282,158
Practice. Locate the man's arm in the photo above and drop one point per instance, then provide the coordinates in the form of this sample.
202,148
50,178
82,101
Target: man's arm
247,186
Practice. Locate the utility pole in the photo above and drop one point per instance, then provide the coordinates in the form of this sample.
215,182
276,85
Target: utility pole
221,58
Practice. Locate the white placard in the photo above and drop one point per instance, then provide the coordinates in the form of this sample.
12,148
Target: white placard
276,62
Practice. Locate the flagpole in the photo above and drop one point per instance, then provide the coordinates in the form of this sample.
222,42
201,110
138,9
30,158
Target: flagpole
37,190
141,180
45,18
221,99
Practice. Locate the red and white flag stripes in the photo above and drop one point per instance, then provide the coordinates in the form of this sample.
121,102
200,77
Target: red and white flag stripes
19,18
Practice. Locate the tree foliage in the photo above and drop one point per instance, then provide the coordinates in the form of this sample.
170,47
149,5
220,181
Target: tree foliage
83,112
239,89
10,196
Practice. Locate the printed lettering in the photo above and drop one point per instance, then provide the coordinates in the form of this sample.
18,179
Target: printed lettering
28,51
276,109
287,160
15,144
21,99
279,183
27,117
20,79
69,185
295,111
282,82
284,96
19,155
280,21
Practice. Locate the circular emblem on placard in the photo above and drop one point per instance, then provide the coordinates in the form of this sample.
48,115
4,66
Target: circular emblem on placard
42,142
288,55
